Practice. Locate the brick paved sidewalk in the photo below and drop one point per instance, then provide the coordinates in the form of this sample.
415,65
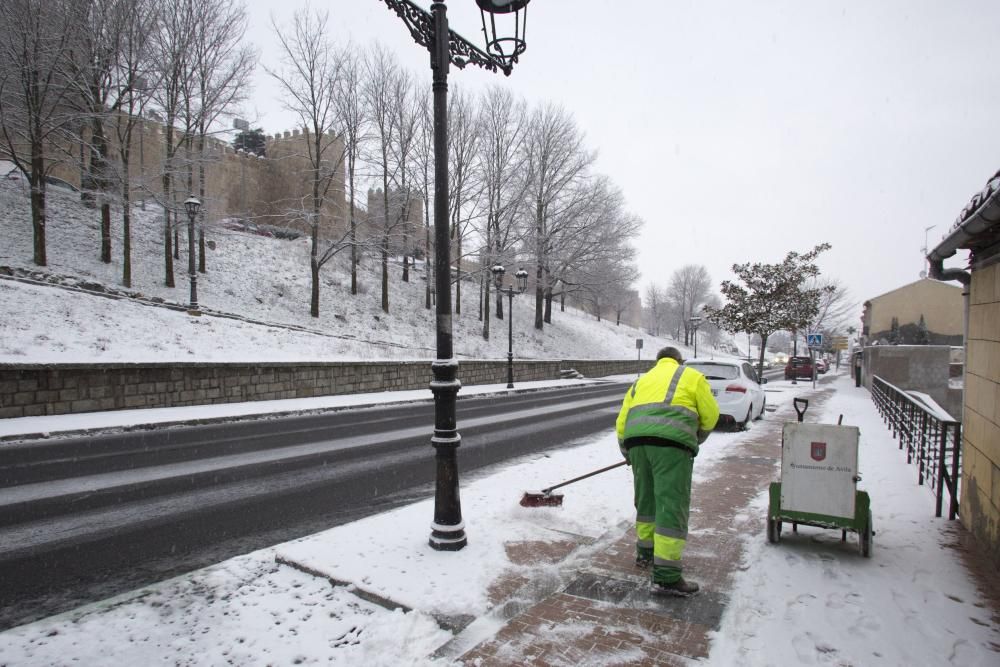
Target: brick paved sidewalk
600,612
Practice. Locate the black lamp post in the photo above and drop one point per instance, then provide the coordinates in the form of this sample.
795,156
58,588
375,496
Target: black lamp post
192,205
522,283
695,322
446,47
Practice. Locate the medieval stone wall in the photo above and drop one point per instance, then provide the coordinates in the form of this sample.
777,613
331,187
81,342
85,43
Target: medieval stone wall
274,190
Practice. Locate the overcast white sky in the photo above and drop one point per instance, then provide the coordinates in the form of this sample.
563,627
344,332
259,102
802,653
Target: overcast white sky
740,131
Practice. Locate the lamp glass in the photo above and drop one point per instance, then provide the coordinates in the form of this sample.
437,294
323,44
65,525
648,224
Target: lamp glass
522,279
498,272
192,205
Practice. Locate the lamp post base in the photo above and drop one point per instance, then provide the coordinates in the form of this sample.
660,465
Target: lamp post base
448,538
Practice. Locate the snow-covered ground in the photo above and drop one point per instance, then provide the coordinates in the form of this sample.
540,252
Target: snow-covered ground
802,602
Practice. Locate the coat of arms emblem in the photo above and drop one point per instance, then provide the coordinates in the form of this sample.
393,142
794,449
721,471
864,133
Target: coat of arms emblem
817,451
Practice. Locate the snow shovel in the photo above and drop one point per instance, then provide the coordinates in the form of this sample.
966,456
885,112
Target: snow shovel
545,497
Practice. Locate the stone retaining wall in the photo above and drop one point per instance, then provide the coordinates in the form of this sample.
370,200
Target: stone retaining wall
28,390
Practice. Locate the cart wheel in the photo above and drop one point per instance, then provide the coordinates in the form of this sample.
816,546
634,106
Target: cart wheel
773,530
865,538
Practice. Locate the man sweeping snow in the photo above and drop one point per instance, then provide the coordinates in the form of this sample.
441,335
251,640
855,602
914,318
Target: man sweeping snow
665,415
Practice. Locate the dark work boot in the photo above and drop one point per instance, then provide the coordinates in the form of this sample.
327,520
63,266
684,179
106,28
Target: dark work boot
679,588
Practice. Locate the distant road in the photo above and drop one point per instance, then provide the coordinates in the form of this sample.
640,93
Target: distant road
83,519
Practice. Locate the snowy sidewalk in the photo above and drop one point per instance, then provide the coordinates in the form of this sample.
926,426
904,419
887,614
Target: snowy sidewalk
556,586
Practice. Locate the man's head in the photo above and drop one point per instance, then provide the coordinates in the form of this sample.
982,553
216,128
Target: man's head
670,353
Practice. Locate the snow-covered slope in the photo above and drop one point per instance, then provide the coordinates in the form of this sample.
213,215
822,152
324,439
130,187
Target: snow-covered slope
263,279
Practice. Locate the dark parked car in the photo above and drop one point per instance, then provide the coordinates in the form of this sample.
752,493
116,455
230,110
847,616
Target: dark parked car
799,368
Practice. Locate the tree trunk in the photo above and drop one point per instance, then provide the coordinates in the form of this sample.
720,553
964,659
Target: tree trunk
428,264
201,195
385,235
37,181
354,230
539,267
177,235
126,232
760,361
314,293
99,167
385,273
458,274
201,249
105,230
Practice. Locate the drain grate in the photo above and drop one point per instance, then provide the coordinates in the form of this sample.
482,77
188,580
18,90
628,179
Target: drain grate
705,608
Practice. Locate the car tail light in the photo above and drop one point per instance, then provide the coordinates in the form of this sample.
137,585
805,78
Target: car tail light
736,388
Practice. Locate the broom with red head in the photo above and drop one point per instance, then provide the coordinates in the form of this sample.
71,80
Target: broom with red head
545,497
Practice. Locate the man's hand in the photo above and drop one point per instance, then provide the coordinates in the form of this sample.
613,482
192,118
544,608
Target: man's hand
703,436
624,452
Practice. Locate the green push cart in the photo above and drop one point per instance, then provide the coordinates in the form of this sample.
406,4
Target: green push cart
819,478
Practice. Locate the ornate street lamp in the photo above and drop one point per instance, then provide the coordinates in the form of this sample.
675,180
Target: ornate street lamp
446,47
192,205
695,322
502,45
522,283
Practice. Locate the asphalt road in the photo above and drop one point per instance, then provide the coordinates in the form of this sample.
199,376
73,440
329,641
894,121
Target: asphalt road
83,519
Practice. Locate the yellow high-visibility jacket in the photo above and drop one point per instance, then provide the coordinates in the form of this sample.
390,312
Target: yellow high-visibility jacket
670,402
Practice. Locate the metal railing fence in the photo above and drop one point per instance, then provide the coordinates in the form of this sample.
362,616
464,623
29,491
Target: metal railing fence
930,439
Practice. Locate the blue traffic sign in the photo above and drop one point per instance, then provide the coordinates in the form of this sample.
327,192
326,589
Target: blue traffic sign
814,339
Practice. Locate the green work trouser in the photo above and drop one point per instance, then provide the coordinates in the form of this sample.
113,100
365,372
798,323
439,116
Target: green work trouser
662,478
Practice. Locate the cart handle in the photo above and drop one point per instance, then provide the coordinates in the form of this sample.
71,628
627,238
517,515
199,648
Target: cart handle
805,404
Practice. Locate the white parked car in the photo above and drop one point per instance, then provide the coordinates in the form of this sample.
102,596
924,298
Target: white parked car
736,388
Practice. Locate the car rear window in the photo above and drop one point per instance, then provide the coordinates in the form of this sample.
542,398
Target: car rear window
717,371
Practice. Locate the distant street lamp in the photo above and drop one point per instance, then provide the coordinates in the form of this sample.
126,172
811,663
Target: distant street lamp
522,283
192,205
695,322
446,47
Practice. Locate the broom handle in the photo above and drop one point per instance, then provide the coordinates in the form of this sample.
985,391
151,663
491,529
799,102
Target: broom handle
589,474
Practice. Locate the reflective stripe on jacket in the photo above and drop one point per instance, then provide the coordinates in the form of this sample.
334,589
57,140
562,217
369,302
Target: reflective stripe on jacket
670,402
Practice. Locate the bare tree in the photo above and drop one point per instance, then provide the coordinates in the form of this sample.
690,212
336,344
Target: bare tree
35,38
221,66
171,45
590,251
99,94
836,309
556,161
463,174
309,78
655,306
424,159
404,148
379,93
501,124
688,290
130,71
354,126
